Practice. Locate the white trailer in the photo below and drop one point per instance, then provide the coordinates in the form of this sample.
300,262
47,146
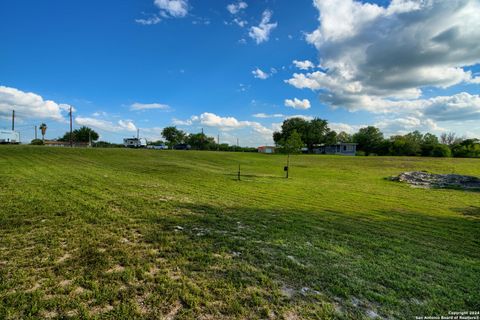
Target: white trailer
135,143
9,137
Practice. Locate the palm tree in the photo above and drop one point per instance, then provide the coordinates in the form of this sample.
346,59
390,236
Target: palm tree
43,128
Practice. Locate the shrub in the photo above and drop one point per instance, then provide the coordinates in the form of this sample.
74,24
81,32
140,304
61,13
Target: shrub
441,150
37,142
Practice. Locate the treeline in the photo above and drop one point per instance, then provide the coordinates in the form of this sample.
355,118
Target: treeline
197,141
371,141
297,134
83,134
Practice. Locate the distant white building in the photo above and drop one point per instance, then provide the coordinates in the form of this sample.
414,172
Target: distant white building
346,149
9,137
135,143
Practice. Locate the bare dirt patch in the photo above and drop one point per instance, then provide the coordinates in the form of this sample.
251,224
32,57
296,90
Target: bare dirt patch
65,283
100,310
64,257
49,314
174,311
291,315
35,287
78,291
116,269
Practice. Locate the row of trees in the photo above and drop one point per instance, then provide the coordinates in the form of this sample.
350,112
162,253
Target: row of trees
297,133
371,141
198,141
82,134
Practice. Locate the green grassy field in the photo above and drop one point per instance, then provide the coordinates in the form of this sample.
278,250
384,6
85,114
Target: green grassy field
125,234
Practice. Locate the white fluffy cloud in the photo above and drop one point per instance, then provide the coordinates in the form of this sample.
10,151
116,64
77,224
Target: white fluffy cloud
149,21
226,124
148,106
174,8
303,65
29,105
345,127
462,106
407,124
235,8
260,74
121,125
261,33
297,103
381,59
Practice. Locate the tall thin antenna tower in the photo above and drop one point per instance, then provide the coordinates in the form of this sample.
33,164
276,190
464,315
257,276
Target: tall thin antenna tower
71,129
13,120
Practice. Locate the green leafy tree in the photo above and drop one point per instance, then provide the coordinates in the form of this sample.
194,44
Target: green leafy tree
369,139
317,132
428,144
297,124
85,134
199,141
311,132
173,136
82,134
293,144
43,129
441,150
468,148
342,136
407,145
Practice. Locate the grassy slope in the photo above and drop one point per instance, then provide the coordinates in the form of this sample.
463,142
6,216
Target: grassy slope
138,233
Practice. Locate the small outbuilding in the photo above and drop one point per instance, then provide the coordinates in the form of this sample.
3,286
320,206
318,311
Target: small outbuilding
342,148
266,149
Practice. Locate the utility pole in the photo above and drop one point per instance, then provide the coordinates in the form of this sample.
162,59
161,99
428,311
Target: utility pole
71,140
90,138
13,120
138,133
218,142
35,132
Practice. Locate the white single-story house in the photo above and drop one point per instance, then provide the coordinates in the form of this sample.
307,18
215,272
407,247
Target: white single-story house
342,148
266,149
9,137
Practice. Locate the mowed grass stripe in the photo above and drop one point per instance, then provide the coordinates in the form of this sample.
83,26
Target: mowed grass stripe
140,234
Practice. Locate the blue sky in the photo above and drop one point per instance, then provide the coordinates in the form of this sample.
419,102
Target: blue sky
216,65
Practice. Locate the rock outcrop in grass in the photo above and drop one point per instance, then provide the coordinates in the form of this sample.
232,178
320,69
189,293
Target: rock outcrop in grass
446,181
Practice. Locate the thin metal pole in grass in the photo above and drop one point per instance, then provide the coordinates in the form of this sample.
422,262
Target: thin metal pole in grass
287,167
238,173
